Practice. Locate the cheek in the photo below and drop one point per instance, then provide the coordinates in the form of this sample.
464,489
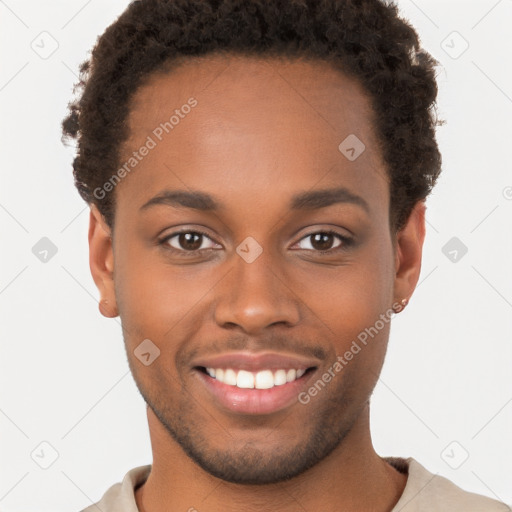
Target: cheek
154,297
356,293
351,303
352,315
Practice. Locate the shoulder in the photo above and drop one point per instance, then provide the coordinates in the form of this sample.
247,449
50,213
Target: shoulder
426,491
120,497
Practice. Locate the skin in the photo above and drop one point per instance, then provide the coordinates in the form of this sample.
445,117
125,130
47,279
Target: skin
262,132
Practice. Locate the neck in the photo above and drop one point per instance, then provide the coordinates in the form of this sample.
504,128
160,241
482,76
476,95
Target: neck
352,478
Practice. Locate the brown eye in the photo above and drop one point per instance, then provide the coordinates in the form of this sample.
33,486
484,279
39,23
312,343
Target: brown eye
188,241
324,241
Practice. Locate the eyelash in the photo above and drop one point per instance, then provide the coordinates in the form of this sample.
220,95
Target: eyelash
346,242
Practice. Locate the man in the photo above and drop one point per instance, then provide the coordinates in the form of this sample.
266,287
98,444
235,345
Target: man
257,175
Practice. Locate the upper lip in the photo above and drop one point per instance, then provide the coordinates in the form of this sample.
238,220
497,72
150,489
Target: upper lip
252,361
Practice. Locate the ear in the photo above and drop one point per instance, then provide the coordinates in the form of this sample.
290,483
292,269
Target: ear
101,262
408,253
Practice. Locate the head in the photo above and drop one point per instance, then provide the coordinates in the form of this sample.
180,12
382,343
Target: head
257,175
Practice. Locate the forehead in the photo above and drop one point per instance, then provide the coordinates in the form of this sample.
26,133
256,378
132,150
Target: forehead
224,79
255,125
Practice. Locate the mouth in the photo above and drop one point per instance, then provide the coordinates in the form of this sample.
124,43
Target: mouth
265,391
263,379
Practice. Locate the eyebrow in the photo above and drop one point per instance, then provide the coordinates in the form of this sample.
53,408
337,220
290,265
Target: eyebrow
309,200
316,199
181,198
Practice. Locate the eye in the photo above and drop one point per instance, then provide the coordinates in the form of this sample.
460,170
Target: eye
188,241
322,241
192,242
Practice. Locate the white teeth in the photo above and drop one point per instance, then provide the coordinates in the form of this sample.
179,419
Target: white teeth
291,375
280,378
230,377
244,379
264,379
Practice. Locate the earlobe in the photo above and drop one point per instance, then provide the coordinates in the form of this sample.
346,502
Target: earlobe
409,250
101,262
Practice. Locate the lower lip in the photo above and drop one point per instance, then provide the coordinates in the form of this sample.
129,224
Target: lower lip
255,401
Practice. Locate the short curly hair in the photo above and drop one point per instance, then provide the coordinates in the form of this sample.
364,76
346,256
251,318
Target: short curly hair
365,39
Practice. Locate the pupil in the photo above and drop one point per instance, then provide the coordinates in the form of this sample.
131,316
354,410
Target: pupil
186,241
322,241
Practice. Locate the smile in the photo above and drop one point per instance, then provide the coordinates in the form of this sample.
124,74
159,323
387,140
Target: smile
249,393
264,379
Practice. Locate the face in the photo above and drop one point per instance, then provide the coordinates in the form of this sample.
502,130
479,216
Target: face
246,239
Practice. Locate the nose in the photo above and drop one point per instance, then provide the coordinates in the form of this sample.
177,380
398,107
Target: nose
256,295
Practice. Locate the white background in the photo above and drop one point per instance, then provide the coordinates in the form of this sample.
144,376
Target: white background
64,378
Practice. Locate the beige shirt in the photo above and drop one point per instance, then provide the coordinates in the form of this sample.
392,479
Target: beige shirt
424,492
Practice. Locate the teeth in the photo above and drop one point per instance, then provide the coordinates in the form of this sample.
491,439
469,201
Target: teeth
243,379
280,378
291,375
264,379
230,377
